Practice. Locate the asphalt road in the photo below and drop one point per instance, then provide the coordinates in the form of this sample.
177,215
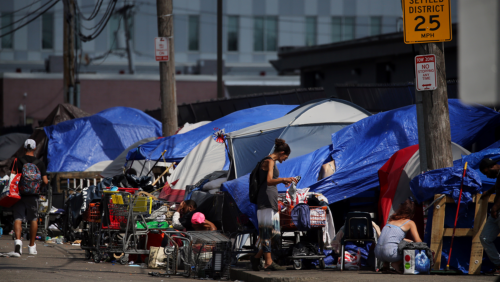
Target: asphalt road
66,263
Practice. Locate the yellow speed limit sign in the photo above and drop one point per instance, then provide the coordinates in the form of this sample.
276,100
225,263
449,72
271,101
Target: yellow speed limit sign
426,21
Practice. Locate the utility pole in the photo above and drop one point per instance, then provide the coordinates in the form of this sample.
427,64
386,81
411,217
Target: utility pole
220,86
69,51
435,114
127,12
167,69
430,31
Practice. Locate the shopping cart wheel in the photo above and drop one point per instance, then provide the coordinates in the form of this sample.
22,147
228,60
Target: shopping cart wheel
123,260
88,254
297,264
96,257
322,264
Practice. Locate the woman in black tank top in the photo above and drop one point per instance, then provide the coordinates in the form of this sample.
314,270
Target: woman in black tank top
267,205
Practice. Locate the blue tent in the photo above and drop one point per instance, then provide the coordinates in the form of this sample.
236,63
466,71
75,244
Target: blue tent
360,149
178,146
75,145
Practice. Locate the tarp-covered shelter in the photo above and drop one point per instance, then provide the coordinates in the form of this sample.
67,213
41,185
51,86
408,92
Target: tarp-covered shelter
77,144
361,149
395,176
305,129
61,113
178,146
116,166
10,143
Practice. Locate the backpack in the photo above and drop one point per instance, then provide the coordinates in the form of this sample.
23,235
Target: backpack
31,179
253,191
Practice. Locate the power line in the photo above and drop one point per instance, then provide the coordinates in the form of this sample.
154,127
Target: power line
34,18
31,13
101,24
25,7
94,13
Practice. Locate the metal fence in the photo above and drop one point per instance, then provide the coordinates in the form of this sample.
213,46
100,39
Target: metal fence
212,110
384,97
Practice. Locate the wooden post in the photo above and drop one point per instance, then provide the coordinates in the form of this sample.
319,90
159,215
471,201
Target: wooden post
476,254
436,116
69,51
438,230
167,69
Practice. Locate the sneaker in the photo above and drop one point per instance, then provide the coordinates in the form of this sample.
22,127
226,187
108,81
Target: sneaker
275,267
32,249
19,247
495,271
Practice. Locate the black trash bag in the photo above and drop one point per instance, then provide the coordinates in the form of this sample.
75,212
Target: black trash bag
305,249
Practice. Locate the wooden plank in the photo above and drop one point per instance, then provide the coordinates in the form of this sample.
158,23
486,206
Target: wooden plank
490,200
476,257
438,229
459,232
80,174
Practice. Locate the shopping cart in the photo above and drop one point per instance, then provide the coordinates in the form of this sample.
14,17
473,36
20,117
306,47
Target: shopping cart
211,254
318,217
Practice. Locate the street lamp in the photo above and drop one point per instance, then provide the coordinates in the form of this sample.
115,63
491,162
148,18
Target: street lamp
22,108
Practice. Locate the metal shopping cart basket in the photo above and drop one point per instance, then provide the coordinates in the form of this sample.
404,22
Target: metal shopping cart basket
211,254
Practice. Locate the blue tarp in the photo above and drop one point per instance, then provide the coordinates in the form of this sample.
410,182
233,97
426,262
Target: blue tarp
77,144
178,146
446,181
360,149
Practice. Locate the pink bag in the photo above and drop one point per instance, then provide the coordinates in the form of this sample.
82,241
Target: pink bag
10,193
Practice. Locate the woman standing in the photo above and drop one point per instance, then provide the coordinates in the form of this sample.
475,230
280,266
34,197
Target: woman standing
393,233
267,205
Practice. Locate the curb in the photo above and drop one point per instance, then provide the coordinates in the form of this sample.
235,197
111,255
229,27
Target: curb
251,276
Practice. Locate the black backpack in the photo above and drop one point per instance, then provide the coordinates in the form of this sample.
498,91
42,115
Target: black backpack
253,191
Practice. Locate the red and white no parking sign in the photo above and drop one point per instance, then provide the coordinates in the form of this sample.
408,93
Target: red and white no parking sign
425,71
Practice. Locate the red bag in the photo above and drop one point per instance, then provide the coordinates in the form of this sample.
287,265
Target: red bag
10,194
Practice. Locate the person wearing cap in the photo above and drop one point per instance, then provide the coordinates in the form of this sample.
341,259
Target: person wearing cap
26,209
199,223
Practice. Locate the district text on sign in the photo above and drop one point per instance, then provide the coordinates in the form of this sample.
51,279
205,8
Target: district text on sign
426,21
425,70
161,49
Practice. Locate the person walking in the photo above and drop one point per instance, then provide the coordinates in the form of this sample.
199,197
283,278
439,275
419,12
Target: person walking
267,205
26,209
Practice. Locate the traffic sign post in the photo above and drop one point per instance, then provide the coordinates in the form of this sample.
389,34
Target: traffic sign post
425,72
161,49
426,21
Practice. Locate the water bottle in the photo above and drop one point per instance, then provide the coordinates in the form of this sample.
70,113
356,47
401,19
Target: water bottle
1,231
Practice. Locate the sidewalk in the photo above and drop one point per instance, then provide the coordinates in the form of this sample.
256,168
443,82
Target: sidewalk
66,263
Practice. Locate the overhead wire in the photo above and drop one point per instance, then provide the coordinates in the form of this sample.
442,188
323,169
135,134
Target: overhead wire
31,20
31,13
20,9
99,27
94,13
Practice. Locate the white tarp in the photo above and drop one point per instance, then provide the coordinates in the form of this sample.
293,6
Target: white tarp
190,126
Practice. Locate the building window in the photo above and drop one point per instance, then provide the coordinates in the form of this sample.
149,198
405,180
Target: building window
271,33
6,21
310,31
232,33
265,34
349,28
375,25
336,29
48,31
194,33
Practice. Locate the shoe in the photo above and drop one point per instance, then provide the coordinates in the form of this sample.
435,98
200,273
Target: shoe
275,267
32,249
19,247
255,263
495,271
